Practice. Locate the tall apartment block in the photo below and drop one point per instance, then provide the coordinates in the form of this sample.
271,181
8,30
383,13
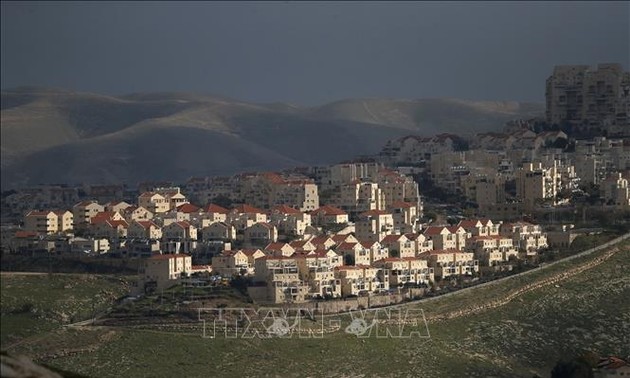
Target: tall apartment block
591,98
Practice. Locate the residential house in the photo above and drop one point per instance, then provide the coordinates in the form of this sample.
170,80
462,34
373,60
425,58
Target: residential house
219,231
261,233
290,221
144,230
279,249
154,202
328,215
399,246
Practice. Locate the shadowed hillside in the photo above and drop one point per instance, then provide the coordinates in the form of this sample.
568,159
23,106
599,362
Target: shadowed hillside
53,135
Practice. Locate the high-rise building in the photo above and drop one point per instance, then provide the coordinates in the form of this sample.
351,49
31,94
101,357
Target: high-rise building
593,98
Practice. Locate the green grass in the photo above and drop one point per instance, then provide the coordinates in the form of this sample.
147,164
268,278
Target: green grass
33,304
522,338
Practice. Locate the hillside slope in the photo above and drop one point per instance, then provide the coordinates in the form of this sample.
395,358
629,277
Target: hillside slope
53,135
523,337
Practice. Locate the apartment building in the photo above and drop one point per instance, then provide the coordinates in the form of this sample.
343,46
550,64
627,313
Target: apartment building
160,272
360,279
399,245
316,268
279,281
535,184
374,225
492,250
528,238
357,197
593,97
84,211
401,271
614,190
451,262
289,221
405,215
48,222
154,202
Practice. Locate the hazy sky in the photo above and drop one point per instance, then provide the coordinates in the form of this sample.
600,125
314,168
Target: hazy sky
309,53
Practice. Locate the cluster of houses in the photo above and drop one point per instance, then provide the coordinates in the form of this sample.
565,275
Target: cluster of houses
342,265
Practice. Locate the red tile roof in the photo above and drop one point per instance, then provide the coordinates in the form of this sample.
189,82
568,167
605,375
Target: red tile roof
433,230
212,208
391,238
345,246
187,208
247,209
25,234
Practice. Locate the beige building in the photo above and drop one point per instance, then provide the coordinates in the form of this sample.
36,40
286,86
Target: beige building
316,268
290,221
527,238
399,245
492,250
535,184
360,280
137,213
443,237
405,216
84,211
172,195
328,215
116,206
589,97
236,262
357,197
374,225
160,272
280,280
41,222
279,249
154,202
447,263
403,271
261,233
110,229
144,230
219,231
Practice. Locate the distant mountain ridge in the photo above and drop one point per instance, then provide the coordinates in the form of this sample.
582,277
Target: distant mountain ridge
60,136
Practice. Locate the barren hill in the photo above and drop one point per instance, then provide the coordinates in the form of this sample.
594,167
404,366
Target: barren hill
60,136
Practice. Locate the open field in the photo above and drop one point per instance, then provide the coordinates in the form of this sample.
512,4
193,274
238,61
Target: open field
573,306
34,303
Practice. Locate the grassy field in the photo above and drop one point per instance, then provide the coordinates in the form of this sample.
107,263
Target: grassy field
588,311
33,304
